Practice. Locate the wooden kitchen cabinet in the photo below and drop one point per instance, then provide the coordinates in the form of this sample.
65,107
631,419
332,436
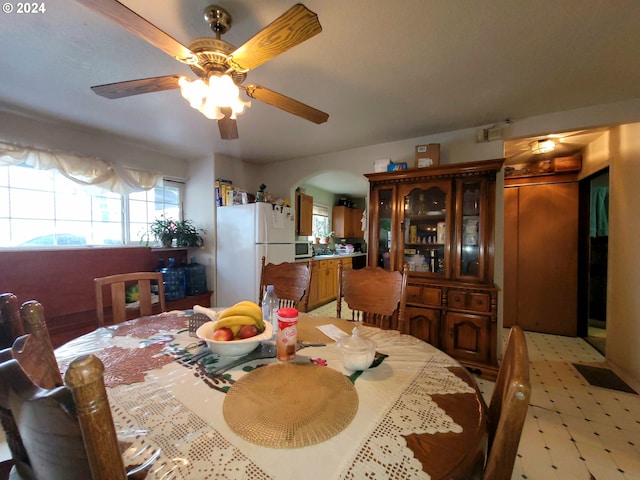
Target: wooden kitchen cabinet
440,221
347,221
469,331
304,214
324,280
424,323
327,286
467,337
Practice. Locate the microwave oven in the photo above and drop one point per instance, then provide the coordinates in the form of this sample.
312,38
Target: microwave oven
303,249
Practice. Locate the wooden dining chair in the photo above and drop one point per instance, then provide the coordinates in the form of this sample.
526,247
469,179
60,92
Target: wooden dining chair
10,329
67,431
118,285
508,408
374,295
290,280
10,322
40,365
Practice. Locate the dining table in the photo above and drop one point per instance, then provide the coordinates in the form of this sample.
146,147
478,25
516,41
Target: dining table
415,413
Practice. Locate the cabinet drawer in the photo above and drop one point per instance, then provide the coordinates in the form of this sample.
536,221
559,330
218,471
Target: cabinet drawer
432,296
414,294
457,299
480,302
424,295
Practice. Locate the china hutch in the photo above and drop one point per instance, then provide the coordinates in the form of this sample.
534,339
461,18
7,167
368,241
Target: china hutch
440,221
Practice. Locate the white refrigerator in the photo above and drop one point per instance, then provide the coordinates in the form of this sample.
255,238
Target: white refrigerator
244,234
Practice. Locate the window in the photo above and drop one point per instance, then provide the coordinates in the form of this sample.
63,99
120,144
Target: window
320,222
144,207
44,208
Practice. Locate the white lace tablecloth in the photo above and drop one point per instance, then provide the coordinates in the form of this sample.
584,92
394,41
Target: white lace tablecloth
179,409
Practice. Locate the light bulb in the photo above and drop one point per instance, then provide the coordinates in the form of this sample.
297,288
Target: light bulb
209,97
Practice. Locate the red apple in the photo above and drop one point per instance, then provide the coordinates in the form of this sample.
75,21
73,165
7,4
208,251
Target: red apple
248,331
223,334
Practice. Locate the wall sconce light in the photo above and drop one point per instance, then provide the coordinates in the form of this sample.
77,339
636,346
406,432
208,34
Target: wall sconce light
542,146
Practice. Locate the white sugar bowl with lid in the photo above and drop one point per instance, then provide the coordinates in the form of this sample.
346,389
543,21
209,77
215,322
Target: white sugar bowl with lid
357,352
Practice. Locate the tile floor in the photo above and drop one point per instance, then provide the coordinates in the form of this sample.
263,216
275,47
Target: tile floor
573,430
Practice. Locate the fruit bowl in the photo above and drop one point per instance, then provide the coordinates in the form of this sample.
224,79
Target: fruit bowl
232,348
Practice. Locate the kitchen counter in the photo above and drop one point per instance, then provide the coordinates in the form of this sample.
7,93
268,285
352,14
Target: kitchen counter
332,256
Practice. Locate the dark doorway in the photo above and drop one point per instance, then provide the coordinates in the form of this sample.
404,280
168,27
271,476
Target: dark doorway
594,243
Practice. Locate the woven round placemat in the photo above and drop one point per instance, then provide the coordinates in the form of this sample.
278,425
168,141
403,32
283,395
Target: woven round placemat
290,405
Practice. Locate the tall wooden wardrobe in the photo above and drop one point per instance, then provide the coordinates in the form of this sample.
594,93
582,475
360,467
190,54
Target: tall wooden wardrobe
541,254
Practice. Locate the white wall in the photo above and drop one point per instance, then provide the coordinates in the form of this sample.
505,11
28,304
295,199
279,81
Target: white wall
199,204
455,147
596,156
623,301
244,175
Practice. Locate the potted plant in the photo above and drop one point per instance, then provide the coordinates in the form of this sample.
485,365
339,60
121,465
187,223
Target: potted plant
260,196
187,235
323,235
164,230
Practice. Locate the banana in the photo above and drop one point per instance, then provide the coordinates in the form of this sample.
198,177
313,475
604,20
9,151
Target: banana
238,320
235,329
247,308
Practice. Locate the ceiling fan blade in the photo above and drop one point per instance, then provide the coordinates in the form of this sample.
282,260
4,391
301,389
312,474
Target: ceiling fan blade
137,87
134,23
290,29
228,126
287,104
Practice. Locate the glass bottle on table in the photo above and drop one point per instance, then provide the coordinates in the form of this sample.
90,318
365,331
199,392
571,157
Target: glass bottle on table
270,306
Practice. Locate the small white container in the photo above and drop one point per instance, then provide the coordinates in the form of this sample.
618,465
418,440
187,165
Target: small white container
357,352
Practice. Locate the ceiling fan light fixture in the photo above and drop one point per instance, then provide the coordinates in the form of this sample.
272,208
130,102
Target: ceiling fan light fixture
542,146
193,92
220,92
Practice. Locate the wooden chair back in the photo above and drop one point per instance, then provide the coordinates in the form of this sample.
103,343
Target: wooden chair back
290,280
67,431
118,285
10,322
374,295
508,408
40,365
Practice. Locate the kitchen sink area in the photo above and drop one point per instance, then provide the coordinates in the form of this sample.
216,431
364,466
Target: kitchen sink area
339,255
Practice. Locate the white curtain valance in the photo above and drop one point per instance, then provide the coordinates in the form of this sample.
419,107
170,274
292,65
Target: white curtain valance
82,170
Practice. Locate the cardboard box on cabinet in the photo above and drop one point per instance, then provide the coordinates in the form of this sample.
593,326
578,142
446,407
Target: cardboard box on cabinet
381,165
427,155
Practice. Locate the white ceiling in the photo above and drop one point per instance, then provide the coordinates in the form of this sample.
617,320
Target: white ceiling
384,71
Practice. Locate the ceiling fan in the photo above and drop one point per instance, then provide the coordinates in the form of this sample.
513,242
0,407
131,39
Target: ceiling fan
213,58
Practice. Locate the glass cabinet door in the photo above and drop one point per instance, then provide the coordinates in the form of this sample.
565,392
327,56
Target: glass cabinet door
470,234
382,211
426,216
